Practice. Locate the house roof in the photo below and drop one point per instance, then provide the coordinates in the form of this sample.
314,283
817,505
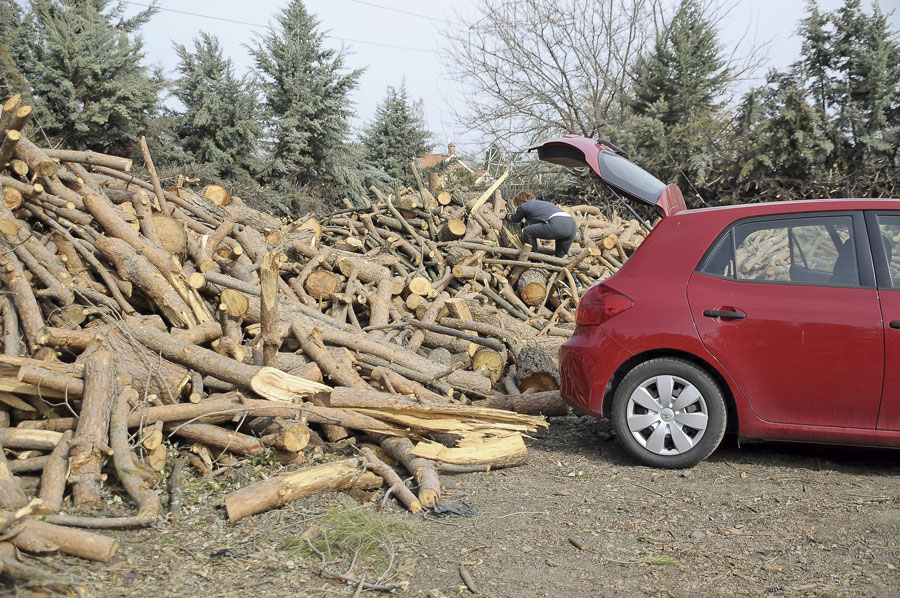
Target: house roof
429,161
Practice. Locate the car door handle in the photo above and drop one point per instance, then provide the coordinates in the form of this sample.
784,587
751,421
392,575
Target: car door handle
718,313
895,324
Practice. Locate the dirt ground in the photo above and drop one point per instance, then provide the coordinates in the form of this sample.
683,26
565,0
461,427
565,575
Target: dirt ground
579,520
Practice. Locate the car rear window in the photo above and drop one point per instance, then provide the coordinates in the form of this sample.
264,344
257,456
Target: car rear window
629,177
816,250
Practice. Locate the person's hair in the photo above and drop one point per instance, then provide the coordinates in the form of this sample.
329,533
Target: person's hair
522,197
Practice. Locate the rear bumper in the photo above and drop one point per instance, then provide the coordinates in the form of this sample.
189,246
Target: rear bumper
587,362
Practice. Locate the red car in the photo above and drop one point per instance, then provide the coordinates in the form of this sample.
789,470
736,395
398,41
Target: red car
780,321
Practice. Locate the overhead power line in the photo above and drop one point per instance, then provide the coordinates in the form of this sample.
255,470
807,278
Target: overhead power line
259,26
402,12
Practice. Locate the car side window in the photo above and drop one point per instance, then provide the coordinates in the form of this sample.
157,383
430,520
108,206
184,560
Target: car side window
889,227
816,250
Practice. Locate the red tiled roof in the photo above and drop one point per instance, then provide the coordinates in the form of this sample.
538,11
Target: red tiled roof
429,161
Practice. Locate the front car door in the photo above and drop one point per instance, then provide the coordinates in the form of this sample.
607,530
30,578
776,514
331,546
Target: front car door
884,233
788,306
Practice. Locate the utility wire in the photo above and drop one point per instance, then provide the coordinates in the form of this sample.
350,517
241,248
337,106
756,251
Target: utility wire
257,25
402,12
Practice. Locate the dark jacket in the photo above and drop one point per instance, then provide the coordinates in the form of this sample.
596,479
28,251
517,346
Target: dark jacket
534,211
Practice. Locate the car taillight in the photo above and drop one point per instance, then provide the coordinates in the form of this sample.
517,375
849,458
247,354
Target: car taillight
599,304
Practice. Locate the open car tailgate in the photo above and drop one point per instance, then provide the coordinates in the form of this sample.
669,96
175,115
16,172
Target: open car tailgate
612,169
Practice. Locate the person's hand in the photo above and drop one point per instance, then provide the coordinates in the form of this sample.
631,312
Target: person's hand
508,217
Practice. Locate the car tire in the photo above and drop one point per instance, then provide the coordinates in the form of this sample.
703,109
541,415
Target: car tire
661,426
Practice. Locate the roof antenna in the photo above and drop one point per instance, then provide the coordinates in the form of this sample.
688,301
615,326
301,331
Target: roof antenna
697,193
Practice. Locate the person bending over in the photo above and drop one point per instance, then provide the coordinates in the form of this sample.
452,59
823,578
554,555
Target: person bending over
543,220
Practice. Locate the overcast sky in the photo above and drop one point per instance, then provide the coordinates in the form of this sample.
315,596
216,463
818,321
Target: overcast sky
394,39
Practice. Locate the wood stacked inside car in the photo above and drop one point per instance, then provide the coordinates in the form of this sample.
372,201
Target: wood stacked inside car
137,317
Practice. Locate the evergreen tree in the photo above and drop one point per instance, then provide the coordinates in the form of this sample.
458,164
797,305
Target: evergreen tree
15,50
784,141
685,73
828,127
867,64
397,134
87,74
220,125
816,55
306,94
676,92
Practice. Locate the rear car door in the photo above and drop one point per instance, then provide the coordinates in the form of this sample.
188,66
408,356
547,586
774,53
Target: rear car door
884,233
788,306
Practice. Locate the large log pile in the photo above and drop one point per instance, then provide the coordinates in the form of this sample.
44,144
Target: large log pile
136,316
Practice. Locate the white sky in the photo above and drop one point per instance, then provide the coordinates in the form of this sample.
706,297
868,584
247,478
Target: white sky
414,28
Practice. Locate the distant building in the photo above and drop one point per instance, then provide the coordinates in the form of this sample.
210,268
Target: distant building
450,162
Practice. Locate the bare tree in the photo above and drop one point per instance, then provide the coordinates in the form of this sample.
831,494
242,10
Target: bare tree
529,69
534,68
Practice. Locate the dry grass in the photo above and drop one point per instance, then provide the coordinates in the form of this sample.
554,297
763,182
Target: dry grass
355,538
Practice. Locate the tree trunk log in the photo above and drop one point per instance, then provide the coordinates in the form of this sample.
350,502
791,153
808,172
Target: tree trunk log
451,230
491,361
393,481
146,499
423,470
76,542
136,268
547,403
310,338
89,442
283,489
532,286
536,370
221,438
12,495
268,307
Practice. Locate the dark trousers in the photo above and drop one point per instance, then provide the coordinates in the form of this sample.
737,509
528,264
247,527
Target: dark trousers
560,229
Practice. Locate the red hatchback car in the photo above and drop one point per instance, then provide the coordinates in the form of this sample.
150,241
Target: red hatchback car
780,321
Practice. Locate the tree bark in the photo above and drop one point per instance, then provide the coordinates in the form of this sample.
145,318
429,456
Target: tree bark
536,370
268,308
12,495
371,461
423,470
89,442
548,403
280,490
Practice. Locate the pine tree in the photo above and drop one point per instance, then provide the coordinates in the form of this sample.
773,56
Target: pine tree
15,49
397,134
685,73
816,55
306,92
87,74
220,125
784,141
827,127
866,86
676,93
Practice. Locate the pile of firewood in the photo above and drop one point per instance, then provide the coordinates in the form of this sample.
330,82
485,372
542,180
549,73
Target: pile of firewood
414,329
